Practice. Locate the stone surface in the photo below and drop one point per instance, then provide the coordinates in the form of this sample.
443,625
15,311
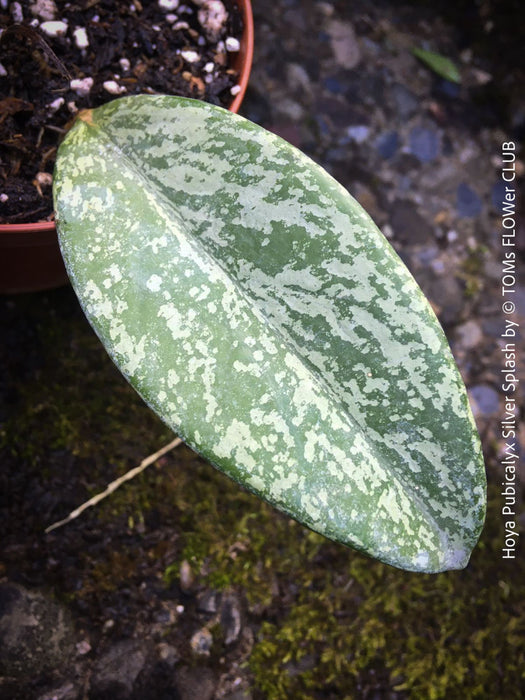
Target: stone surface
167,654
187,578
387,144
202,642
409,226
298,79
358,133
425,143
405,102
208,601
485,400
231,618
36,633
468,202
469,334
239,695
195,683
67,691
447,296
115,672
344,44
497,195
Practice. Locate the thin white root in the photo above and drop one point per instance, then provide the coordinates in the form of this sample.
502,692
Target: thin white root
113,486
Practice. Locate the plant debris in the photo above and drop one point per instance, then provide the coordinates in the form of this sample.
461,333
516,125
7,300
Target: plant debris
59,57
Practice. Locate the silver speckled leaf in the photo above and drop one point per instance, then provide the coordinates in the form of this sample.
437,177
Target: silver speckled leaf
258,310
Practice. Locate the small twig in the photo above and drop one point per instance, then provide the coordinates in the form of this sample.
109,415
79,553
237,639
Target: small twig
29,214
113,486
56,129
36,40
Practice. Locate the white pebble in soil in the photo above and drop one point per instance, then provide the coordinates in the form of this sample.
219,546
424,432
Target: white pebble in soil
232,44
124,64
83,647
212,17
45,9
55,105
4,197
3,71
235,90
168,5
17,13
190,56
82,86
54,28
81,38
113,87
44,179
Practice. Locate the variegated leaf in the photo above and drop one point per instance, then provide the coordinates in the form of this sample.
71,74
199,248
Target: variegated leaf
258,310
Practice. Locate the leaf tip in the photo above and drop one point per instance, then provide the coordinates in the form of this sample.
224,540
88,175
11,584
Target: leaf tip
456,559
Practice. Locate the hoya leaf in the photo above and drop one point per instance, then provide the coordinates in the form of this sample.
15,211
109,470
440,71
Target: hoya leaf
441,65
258,310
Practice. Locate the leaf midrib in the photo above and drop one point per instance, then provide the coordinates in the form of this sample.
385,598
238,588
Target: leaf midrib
253,304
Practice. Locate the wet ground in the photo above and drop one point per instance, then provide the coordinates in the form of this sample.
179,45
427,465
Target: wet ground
183,586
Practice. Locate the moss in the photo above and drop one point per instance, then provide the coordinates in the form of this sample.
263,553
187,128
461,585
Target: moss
472,271
454,635
336,622
110,573
73,399
331,623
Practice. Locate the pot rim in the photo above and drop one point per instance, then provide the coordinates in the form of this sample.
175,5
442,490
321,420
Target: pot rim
247,39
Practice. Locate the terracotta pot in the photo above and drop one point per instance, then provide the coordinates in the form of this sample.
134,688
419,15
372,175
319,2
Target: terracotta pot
30,258
243,60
